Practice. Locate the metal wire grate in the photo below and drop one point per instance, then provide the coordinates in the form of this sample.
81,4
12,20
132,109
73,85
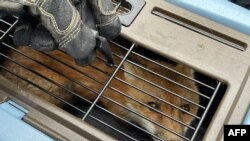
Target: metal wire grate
7,24
99,81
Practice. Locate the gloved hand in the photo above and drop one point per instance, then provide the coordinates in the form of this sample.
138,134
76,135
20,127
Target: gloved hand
107,21
72,32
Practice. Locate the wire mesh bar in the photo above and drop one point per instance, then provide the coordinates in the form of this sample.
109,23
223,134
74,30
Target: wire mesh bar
149,107
74,68
69,104
44,77
83,86
102,122
10,35
100,70
95,93
183,75
185,87
170,80
161,76
51,94
51,69
128,122
154,96
106,86
108,82
46,91
173,93
143,116
5,22
8,26
81,72
145,105
160,99
149,94
62,88
156,123
206,110
96,80
7,45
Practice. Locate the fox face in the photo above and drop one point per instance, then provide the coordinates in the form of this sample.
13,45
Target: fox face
164,110
153,98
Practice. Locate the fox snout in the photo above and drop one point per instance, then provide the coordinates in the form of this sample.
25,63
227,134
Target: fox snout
164,128
171,135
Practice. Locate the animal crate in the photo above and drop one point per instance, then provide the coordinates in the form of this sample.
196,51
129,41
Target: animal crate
155,46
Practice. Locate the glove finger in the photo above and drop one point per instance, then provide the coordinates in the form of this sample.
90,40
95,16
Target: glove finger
104,48
101,42
107,20
42,40
65,25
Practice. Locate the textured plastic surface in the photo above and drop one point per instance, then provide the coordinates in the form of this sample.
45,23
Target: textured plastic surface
13,128
247,118
222,11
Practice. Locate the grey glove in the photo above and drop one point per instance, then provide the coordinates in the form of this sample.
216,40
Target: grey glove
64,23
42,40
62,20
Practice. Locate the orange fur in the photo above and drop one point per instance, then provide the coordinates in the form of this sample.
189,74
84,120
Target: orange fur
115,84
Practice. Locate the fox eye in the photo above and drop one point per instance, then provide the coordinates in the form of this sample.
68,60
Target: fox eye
153,105
186,107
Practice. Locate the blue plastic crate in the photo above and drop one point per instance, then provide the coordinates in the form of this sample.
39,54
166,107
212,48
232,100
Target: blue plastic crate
13,128
221,11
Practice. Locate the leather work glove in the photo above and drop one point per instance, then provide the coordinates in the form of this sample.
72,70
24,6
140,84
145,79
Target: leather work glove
107,21
60,26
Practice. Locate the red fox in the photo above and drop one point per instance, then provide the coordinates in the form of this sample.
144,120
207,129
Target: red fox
149,106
